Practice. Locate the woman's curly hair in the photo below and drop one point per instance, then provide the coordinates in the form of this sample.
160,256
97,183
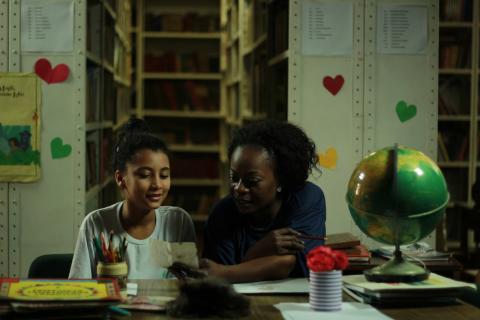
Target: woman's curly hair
291,150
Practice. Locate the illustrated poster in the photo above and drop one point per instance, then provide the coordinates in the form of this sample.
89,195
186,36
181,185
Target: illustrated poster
20,100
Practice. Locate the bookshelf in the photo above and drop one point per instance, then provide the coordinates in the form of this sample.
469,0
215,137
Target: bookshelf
83,111
108,68
458,106
254,69
179,91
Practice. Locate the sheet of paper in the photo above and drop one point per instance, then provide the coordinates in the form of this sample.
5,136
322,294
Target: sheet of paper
350,310
164,253
327,28
47,26
132,288
401,29
296,285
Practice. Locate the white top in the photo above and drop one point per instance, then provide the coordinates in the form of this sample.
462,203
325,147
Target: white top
172,224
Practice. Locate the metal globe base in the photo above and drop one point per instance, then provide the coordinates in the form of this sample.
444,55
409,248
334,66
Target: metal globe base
397,269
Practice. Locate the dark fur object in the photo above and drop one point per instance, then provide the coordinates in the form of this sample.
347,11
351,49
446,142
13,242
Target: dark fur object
208,297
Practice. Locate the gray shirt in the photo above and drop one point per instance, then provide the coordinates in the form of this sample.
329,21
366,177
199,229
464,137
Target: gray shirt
172,224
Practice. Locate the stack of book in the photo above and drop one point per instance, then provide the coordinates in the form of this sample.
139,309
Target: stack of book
350,244
436,289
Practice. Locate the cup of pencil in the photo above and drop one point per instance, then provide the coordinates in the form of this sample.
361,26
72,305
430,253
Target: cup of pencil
112,260
115,270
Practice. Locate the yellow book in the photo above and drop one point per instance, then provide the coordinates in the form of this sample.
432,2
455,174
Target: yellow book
87,290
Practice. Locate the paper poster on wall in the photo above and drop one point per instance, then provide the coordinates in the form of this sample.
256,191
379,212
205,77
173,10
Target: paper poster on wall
401,29
20,100
47,26
327,28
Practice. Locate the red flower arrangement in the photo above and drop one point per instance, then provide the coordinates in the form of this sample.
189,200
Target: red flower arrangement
323,258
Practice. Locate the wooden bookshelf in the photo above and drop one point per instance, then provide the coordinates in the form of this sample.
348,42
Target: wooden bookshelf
458,102
179,93
108,63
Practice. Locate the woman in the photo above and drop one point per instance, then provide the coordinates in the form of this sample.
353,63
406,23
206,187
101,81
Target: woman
142,172
255,233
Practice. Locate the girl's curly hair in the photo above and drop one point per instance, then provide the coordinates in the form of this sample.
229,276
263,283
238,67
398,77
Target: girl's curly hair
133,137
291,150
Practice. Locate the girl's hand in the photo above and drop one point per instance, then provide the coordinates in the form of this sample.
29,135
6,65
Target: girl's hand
277,242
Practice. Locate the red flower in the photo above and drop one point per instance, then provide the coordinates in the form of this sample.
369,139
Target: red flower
323,258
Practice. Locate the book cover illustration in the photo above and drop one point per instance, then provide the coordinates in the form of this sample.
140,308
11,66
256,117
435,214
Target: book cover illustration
56,290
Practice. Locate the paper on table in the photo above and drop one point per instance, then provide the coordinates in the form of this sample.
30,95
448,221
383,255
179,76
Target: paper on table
132,289
350,310
296,285
164,253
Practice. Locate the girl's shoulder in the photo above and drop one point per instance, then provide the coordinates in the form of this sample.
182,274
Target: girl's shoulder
103,214
171,212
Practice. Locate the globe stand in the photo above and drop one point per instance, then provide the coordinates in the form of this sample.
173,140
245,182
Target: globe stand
397,269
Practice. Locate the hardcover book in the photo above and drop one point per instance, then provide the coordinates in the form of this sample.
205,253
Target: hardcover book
52,290
342,240
358,253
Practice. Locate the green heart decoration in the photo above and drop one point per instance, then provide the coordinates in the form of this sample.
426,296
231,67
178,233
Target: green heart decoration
58,149
405,112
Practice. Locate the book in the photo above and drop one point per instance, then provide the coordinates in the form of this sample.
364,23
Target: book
358,253
434,285
341,240
419,250
435,289
443,152
398,301
57,295
55,290
146,303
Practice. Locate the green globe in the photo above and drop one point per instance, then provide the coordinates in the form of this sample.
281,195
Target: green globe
397,195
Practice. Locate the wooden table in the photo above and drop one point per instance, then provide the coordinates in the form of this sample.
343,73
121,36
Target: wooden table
262,306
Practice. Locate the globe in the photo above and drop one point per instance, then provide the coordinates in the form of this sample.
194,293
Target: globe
396,196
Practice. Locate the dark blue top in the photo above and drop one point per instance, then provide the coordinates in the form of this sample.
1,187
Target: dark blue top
228,235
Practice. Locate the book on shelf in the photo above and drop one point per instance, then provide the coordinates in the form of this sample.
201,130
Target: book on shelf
435,288
91,164
42,295
443,152
453,96
415,251
455,140
456,10
342,240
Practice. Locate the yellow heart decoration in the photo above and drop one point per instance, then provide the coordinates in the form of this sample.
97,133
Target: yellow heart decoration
329,159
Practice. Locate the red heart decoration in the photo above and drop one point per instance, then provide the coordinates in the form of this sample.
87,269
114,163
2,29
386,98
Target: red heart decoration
333,85
44,70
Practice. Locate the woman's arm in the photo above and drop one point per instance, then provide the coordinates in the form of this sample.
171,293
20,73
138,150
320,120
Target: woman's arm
283,241
260,269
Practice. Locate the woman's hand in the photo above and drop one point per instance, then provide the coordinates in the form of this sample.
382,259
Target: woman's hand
277,242
211,268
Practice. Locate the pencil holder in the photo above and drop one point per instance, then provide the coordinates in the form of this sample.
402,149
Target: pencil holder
115,270
326,290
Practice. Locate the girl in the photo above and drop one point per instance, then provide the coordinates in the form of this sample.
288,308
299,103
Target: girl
142,172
